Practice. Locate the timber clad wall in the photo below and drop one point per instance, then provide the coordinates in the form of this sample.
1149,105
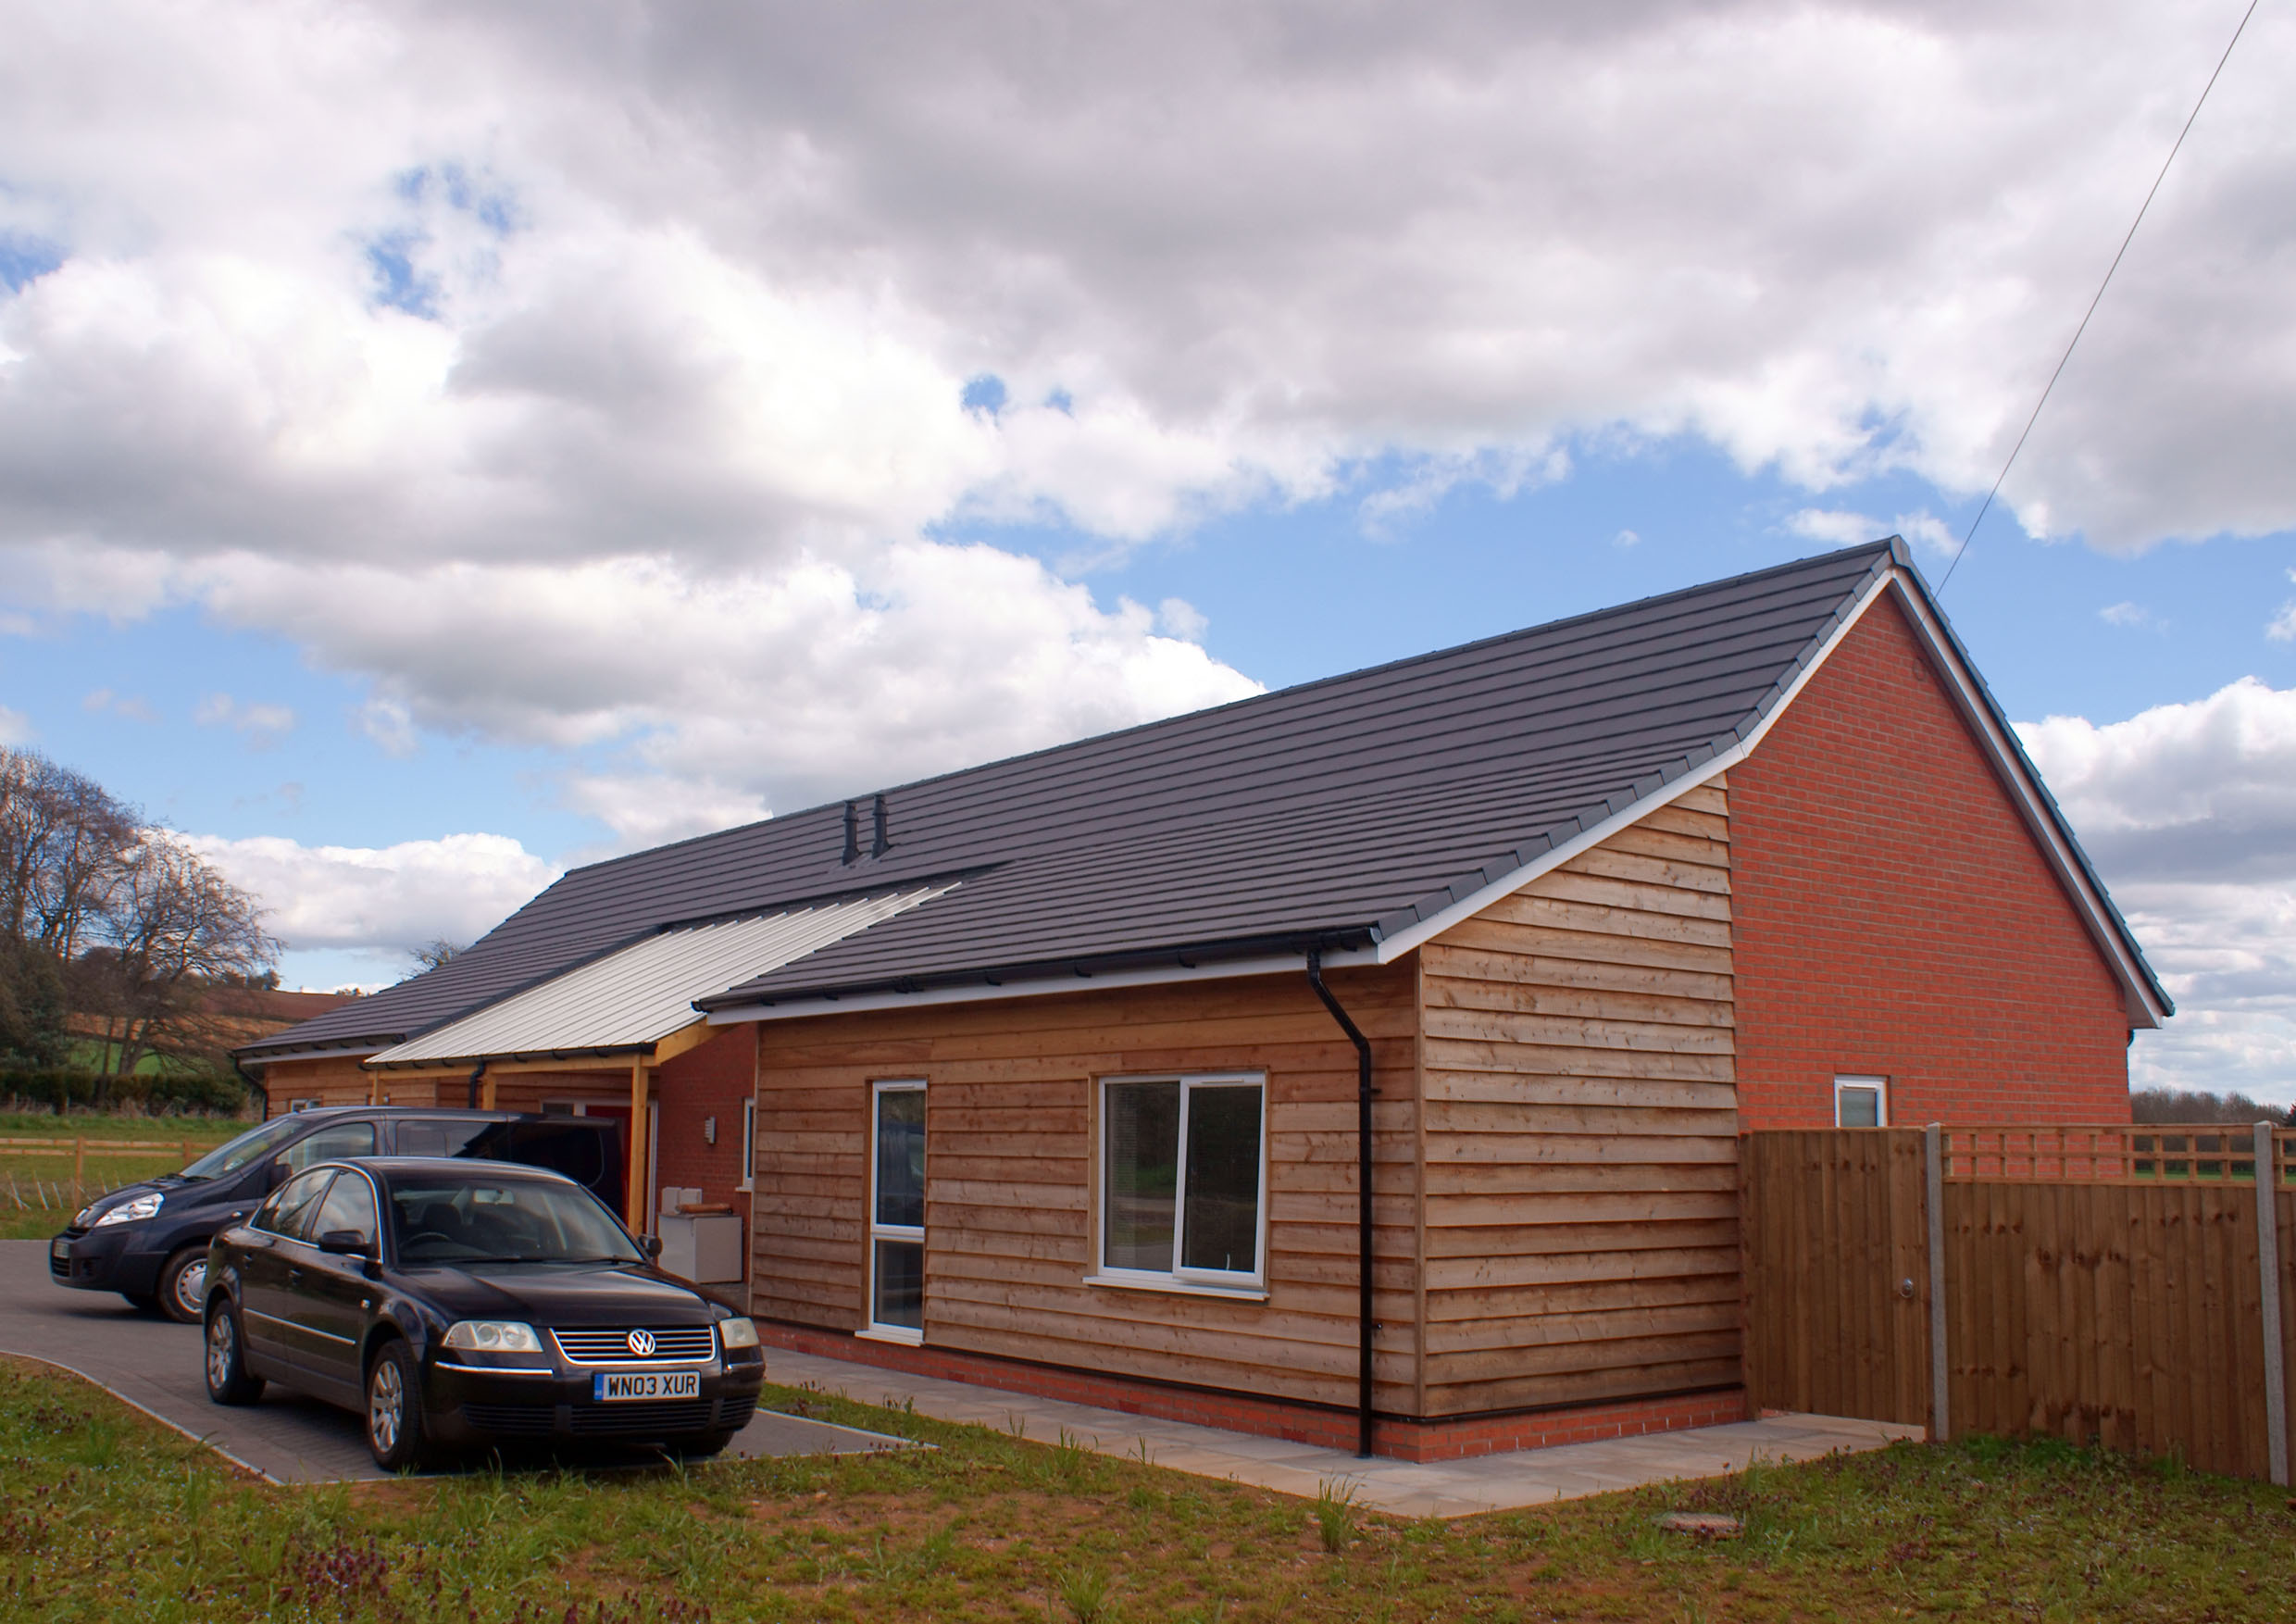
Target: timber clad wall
1580,1132
1009,1174
1895,917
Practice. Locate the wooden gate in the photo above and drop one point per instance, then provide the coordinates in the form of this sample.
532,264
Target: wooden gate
2108,1285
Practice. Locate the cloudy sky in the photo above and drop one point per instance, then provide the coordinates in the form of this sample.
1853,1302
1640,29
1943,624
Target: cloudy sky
442,443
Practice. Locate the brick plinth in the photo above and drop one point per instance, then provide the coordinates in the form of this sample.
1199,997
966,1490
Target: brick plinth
1402,1438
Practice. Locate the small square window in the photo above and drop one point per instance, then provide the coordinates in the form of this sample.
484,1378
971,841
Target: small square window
1861,1102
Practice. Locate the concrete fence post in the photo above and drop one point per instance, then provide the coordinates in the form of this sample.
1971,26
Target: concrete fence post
2269,1272
1933,1157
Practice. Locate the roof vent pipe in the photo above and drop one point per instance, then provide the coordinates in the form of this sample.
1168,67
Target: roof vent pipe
852,834
882,843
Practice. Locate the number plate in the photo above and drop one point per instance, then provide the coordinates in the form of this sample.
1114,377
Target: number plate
59,1247
617,1386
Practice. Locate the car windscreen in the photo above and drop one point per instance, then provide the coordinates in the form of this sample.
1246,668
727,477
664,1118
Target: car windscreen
248,1148
448,1219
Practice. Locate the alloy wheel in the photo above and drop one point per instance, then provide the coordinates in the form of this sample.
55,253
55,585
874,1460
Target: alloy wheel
386,1406
221,1353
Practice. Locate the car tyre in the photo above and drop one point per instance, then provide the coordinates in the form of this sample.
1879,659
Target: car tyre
228,1380
183,1289
394,1431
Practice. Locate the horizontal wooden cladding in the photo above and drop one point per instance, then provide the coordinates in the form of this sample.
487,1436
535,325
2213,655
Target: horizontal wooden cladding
1009,1171
1579,1124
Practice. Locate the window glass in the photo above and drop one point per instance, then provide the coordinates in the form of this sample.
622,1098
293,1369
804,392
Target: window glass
901,1157
440,1136
289,1212
341,1139
249,1147
350,1205
1223,1217
1142,1174
898,1294
477,1218
1859,1102
1181,1176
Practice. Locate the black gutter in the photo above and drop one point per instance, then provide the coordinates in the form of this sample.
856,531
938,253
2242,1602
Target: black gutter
1362,1199
475,1072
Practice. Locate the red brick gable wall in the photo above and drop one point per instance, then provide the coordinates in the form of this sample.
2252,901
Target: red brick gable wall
1892,916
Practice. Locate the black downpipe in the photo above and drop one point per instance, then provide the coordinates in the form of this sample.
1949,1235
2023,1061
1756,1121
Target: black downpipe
475,1072
1362,1199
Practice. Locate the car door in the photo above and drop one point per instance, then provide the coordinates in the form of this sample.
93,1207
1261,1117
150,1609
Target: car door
334,1294
269,1268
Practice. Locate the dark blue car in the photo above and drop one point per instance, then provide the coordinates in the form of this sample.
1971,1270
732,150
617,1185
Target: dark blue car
149,1241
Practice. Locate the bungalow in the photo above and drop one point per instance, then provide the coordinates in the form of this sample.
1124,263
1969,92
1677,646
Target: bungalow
1068,1073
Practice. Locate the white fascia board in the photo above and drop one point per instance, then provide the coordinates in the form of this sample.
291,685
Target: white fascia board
351,1054
801,1007
1467,907
2144,1008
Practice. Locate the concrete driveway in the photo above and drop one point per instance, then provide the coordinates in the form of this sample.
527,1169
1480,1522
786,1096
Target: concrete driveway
155,1365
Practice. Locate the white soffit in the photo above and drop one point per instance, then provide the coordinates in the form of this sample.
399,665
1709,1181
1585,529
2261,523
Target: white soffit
639,994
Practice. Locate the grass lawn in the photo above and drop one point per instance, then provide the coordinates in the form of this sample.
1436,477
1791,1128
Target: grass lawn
34,1203
104,1516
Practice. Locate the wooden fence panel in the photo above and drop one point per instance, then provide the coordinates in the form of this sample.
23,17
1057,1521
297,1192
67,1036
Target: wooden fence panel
2126,1310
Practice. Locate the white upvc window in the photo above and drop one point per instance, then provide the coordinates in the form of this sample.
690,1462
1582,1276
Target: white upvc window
897,1210
1861,1102
1183,1181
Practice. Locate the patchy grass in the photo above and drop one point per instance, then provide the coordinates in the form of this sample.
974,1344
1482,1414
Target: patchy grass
36,1191
104,1516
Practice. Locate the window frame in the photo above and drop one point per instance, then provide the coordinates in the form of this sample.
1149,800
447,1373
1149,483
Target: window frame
1252,1285
909,1233
1880,1087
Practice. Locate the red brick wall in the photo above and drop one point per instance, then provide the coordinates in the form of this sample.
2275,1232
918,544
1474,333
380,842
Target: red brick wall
713,1080
1894,916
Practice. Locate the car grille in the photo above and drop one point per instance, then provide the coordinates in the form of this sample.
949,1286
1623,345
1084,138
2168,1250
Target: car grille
682,1344
524,1419
734,1413
644,1420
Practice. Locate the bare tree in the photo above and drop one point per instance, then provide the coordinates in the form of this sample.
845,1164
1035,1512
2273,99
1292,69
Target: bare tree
435,954
174,930
64,844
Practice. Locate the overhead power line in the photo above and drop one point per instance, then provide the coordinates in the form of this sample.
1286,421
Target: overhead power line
2108,282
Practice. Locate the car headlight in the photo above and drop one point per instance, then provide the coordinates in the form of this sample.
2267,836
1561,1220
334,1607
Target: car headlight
128,1212
737,1333
493,1336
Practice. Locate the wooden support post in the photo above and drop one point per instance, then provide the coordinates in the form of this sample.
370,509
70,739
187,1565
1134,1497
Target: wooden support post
486,1092
639,1196
2268,1267
80,1167
374,1090
1933,1155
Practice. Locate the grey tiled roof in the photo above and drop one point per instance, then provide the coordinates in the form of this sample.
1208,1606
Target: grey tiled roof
1333,813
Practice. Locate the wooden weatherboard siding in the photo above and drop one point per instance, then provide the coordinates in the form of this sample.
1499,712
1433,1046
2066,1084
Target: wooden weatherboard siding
1009,1178
1580,1128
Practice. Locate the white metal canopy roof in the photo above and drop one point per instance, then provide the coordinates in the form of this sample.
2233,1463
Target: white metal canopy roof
639,994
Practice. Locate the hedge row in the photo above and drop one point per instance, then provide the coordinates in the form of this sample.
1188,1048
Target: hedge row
61,1088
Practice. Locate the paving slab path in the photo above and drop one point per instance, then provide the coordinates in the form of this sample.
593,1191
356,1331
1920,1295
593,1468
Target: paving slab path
155,1365
1448,1488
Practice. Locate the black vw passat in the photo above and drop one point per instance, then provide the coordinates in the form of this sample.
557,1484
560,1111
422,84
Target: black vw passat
454,1303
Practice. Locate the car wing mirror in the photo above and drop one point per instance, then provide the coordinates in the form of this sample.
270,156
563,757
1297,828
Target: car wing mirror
348,1244
652,1245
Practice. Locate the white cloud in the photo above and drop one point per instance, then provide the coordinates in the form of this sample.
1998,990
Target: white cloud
385,900
263,724
1178,617
1924,530
2190,811
2125,615
15,727
104,701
